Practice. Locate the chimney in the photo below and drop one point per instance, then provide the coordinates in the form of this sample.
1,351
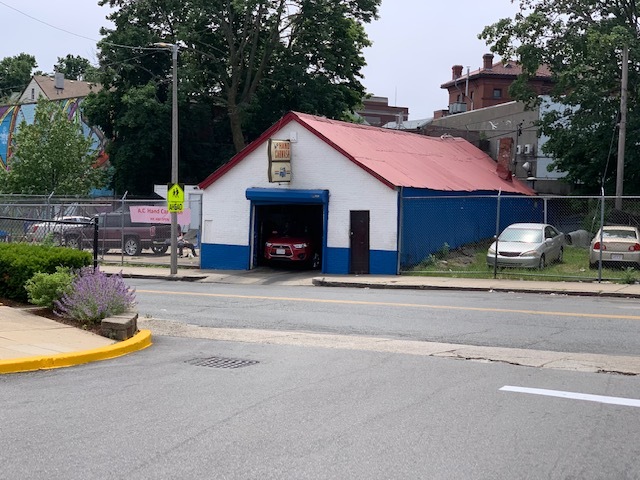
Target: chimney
59,81
456,72
487,61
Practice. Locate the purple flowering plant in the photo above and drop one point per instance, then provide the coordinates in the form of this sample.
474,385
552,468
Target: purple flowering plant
94,295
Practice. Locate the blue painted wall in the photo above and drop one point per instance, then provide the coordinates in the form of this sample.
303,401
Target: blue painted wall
432,219
224,257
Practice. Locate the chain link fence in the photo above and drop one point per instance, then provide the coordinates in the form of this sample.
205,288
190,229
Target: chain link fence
126,227
450,235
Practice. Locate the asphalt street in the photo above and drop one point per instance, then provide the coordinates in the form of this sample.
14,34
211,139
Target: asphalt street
311,413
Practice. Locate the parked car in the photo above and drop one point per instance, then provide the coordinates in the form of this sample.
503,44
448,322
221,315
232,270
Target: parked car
527,245
620,246
294,249
54,229
116,230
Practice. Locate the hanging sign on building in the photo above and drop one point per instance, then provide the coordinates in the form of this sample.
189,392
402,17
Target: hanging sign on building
279,161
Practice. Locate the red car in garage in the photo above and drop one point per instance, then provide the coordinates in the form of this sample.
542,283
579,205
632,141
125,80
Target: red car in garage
291,249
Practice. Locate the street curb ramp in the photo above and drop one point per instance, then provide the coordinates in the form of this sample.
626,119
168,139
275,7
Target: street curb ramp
140,341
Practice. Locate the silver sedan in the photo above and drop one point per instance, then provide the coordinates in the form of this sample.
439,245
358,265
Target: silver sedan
620,246
527,245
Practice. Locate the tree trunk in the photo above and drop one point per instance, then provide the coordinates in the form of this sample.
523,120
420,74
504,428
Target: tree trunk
236,127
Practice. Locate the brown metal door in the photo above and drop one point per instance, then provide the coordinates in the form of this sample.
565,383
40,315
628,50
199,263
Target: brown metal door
359,259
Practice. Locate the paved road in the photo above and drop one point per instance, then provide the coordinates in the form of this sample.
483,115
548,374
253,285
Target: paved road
310,413
527,321
300,411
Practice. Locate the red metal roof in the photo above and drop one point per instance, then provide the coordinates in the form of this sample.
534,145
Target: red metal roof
398,159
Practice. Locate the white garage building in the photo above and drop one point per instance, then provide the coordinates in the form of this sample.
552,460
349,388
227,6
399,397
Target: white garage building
343,182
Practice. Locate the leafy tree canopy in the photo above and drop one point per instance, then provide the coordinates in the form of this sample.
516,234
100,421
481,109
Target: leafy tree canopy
51,155
581,41
76,68
242,65
15,74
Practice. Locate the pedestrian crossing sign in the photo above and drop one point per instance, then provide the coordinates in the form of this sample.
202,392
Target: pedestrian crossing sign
175,197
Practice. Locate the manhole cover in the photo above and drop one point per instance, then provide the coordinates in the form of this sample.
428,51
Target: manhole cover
221,362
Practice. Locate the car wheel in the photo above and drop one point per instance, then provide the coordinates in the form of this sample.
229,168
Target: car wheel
132,246
160,249
542,263
72,242
561,255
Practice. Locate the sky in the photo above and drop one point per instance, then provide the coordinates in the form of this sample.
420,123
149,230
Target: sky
415,42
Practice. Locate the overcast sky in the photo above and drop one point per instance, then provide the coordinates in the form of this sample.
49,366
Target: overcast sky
415,42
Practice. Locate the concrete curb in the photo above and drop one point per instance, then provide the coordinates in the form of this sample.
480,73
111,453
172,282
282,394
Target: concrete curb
139,341
320,282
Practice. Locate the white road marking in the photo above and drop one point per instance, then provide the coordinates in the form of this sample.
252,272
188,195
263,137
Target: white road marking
627,402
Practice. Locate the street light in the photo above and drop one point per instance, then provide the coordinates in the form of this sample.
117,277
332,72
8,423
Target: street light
174,149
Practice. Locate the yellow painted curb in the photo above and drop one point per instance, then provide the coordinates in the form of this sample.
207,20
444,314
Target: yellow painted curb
139,341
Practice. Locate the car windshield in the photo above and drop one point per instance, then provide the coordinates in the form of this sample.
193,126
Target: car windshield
619,233
525,235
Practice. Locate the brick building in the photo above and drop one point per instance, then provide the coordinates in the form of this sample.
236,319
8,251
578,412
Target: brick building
488,86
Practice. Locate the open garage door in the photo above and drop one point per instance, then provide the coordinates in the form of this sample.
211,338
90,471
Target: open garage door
288,228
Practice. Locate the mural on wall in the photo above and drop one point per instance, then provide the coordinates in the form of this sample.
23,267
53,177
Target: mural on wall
11,116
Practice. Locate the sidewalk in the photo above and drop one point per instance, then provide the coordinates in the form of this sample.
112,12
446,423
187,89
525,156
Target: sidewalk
268,276
29,342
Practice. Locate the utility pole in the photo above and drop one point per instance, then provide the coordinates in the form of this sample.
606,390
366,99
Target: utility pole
174,148
622,132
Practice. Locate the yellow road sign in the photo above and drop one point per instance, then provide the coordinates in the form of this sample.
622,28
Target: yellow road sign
175,197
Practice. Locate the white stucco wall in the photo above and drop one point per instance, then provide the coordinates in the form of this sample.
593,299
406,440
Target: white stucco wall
315,165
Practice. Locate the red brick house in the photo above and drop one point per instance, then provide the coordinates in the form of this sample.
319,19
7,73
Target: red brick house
488,86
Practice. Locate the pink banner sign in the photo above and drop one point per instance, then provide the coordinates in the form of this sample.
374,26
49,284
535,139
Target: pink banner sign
157,214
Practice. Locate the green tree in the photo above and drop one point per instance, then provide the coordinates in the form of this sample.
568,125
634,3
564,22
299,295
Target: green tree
581,41
51,155
77,68
15,74
242,65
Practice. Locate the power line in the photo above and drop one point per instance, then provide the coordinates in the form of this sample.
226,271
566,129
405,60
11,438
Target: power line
45,23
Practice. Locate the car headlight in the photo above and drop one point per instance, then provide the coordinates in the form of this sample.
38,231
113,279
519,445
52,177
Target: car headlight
530,253
268,244
491,251
299,245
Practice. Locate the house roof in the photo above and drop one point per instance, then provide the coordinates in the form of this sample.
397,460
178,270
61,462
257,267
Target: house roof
397,158
504,68
409,124
72,88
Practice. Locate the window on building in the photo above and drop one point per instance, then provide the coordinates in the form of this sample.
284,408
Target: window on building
33,94
459,98
497,93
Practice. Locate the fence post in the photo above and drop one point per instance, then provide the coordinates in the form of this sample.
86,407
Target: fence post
95,243
124,197
545,208
601,234
495,258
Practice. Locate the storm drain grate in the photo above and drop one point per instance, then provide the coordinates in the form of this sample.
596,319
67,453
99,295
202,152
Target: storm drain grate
221,362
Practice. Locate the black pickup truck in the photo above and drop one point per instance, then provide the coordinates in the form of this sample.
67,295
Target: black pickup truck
116,230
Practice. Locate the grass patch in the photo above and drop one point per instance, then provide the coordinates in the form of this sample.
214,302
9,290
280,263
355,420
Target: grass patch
470,262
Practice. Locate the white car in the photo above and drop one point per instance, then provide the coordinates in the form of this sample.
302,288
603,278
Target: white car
527,245
54,228
620,246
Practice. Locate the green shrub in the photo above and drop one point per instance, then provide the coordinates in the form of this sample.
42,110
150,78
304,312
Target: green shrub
44,289
628,276
21,261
